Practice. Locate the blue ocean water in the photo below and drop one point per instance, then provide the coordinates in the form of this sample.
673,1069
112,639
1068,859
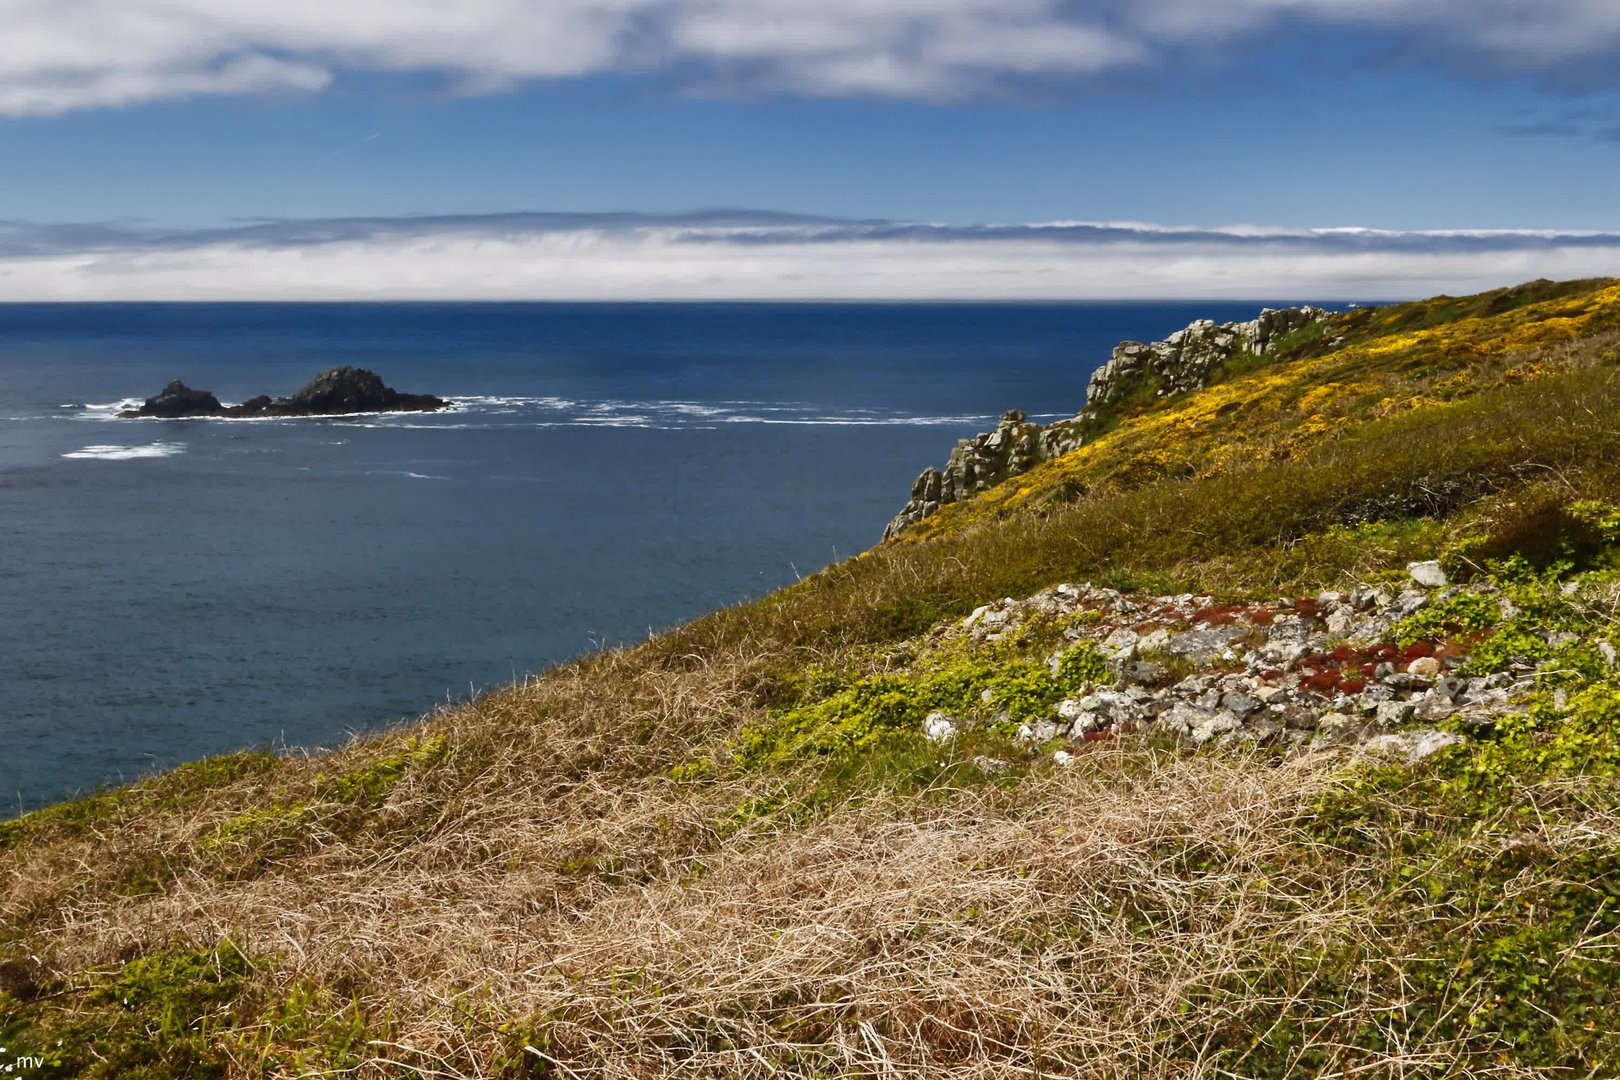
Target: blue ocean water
176,588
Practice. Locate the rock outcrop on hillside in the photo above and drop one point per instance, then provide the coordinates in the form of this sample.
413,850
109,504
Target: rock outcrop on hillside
975,465
1187,360
338,391
1303,674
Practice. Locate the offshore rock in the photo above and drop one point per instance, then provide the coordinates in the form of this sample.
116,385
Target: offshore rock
177,400
336,392
1185,361
350,390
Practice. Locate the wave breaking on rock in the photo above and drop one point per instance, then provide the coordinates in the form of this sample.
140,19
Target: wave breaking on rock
339,391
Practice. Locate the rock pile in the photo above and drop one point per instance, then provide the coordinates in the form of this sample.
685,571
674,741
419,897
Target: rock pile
1186,360
1296,673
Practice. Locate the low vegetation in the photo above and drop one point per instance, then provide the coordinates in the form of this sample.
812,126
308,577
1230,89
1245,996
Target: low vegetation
732,851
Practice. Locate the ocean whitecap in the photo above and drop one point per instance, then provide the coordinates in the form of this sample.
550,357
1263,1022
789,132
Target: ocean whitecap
103,410
126,453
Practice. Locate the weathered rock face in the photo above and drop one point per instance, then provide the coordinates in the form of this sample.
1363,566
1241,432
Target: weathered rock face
336,392
975,465
177,400
350,390
1187,360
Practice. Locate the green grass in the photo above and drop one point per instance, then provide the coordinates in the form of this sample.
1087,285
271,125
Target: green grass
157,1017
1373,322
1256,531
1499,902
177,789
184,1012
339,806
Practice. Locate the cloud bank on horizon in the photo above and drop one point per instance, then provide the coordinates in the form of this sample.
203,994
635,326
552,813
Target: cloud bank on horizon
57,56
735,254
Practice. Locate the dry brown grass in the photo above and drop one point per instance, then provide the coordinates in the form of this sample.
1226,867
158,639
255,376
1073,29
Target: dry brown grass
546,872
988,933
1058,928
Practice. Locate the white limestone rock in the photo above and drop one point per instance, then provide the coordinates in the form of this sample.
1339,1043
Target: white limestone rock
939,727
1428,574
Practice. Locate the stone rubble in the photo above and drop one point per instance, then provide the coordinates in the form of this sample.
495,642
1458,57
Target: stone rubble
1184,361
1305,674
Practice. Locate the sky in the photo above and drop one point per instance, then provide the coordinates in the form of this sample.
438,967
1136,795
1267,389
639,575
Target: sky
814,149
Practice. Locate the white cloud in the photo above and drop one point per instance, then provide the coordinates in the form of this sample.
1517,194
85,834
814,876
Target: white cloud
58,55
57,92
738,255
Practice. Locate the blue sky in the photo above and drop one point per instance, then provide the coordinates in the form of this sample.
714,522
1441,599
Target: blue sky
164,122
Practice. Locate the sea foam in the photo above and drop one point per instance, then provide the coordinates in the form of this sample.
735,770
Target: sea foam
480,411
126,453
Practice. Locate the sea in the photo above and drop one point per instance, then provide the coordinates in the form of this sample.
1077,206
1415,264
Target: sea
171,589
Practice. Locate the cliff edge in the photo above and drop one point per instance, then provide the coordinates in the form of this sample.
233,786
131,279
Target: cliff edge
1135,375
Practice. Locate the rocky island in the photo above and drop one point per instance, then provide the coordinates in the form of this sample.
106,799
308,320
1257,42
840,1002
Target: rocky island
339,391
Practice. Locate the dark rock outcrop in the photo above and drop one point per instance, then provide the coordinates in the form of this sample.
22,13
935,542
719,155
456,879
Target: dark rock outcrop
346,390
337,392
178,399
1185,361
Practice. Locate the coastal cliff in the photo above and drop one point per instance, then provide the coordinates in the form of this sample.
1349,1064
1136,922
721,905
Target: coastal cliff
1136,374
1273,730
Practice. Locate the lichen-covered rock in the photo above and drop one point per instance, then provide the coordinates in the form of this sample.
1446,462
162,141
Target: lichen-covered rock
1187,359
975,465
1428,574
939,727
1184,361
1271,673
1414,746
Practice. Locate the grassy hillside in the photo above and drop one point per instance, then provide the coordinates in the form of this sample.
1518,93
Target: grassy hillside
732,850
